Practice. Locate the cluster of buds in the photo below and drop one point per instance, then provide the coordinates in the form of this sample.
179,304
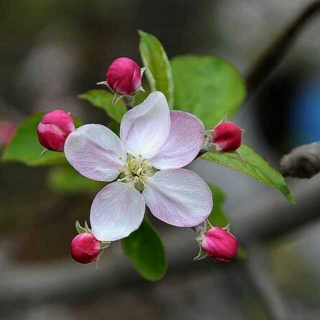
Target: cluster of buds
85,248
54,129
225,137
217,243
124,78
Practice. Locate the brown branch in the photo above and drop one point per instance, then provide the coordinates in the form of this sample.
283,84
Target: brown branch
255,271
262,219
267,217
301,162
278,49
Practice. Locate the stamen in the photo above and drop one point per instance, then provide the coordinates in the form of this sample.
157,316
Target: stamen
135,171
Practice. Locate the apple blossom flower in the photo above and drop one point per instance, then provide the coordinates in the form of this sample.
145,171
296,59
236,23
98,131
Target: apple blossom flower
54,129
155,143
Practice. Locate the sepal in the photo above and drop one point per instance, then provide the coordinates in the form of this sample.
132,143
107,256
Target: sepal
79,228
201,255
105,245
84,229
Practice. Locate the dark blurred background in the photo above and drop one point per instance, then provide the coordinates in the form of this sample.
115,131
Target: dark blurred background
50,52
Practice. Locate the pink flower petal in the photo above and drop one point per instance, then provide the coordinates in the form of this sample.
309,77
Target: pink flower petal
146,127
117,210
94,151
178,197
183,144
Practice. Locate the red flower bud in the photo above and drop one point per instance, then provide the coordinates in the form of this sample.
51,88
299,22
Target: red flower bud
124,76
227,136
220,244
7,130
85,248
54,129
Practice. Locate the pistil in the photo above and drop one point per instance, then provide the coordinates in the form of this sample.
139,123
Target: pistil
136,170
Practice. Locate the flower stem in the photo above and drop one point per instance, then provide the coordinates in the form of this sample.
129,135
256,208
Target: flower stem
128,101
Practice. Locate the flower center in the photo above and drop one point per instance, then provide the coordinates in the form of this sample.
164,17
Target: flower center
136,170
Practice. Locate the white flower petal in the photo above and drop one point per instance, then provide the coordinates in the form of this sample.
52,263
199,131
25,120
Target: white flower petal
183,144
178,197
116,211
145,128
94,151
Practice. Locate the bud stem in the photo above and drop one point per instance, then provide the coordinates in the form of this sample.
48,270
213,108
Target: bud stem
128,101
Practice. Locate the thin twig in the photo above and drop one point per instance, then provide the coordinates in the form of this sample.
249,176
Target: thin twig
255,270
278,49
263,219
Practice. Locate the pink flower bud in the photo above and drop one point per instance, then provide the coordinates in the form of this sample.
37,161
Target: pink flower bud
124,76
85,248
227,136
220,244
54,129
7,130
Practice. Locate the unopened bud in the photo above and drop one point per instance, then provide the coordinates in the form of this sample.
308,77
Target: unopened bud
85,248
124,76
54,129
7,130
220,244
227,136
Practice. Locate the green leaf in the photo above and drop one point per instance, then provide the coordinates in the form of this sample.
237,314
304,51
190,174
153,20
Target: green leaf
146,252
218,217
207,86
65,179
114,127
25,147
103,99
253,166
158,70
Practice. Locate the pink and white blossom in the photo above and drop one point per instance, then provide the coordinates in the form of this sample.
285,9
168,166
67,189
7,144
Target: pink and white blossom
155,143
